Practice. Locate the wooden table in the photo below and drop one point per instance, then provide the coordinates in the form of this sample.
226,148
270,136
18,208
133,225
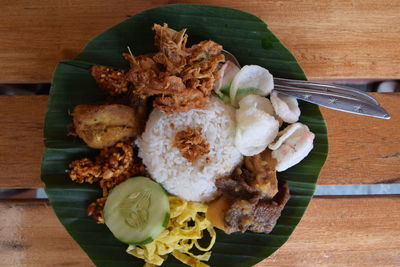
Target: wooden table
332,39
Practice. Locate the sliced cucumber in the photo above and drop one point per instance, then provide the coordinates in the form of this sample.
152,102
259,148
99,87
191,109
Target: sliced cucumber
137,210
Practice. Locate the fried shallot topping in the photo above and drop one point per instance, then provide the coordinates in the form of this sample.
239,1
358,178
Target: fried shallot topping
111,167
180,78
110,80
191,144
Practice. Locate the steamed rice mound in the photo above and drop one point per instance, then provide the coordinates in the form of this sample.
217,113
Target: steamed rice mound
166,164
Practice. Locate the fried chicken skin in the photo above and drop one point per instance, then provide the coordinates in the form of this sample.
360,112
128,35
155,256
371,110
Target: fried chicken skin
101,126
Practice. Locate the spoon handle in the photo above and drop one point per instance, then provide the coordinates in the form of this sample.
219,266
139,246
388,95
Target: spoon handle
337,101
341,89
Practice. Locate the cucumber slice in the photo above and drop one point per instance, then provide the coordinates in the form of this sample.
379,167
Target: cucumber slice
137,210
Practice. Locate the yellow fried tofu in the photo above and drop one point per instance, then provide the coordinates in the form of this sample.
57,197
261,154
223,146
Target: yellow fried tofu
101,126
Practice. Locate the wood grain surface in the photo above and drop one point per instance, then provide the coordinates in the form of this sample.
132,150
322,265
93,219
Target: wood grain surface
344,232
362,150
360,231
21,140
331,39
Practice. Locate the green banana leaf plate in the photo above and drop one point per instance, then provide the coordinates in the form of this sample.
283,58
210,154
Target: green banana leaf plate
244,35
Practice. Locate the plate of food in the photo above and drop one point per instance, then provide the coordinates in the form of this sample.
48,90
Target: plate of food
160,151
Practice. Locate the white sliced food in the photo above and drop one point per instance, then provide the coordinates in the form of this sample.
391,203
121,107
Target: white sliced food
256,127
294,143
286,107
225,76
260,102
251,79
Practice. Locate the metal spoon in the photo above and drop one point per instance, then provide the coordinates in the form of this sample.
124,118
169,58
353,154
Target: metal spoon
336,97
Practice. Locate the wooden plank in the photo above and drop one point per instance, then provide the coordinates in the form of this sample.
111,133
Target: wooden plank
362,150
344,232
340,39
334,232
31,235
21,140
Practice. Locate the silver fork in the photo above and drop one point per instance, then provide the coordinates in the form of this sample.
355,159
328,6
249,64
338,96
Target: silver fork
336,97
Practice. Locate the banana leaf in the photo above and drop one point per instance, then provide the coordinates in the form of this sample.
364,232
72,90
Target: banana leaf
244,35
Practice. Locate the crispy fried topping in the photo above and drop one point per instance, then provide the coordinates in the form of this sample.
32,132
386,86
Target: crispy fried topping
181,78
95,210
111,167
85,170
191,144
110,80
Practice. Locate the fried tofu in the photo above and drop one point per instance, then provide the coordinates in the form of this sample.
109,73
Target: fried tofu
101,126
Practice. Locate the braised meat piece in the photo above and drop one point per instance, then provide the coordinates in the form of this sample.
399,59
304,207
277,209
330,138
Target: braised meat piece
251,199
267,212
255,179
262,171
257,216
110,80
101,126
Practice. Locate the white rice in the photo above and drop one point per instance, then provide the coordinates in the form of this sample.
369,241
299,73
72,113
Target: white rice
168,167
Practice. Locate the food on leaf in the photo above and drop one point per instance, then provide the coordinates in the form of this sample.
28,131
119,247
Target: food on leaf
112,81
186,226
101,126
286,107
111,167
292,145
251,79
165,163
260,102
181,78
256,127
191,144
216,212
137,210
251,198
225,77
261,217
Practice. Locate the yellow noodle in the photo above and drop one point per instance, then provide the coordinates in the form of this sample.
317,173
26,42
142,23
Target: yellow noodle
186,226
